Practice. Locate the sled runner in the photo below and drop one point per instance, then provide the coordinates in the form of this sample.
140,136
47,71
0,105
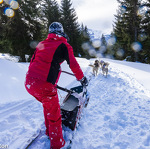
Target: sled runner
39,137
28,142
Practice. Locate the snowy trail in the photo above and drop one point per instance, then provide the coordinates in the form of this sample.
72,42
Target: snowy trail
117,116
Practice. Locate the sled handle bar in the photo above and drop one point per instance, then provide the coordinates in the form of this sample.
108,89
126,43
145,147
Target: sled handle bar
65,89
68,73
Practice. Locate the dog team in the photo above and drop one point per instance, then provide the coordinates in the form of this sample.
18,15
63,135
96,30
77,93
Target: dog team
100,64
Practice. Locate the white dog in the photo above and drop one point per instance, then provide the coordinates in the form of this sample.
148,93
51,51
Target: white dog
101,63
105,68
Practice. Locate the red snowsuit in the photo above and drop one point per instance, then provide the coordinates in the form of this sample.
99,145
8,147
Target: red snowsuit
42,77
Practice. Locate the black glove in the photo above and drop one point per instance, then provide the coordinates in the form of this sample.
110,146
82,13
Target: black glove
84,81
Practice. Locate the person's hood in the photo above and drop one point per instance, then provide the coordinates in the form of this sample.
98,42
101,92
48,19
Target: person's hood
52,36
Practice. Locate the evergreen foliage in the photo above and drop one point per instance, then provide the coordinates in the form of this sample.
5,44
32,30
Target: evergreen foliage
49,12
5,46
21,33
127,26
145,33
130,26
84,38
103,48
70,24
21,29
32,19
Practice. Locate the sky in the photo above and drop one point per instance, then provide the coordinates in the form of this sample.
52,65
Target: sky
96,14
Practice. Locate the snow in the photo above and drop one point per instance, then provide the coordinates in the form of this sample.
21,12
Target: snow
117,116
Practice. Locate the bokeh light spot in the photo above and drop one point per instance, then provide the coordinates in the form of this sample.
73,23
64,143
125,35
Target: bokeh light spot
136,46
85,46
33,44
120,52
40,46
99,54
7,1
102,49
92,52
14,4
1,1
111,41
96,43
9,12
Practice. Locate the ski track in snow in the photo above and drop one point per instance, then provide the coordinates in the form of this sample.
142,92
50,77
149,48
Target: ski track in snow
19,121
117,116
14,108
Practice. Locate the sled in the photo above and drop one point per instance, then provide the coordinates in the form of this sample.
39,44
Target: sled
73,104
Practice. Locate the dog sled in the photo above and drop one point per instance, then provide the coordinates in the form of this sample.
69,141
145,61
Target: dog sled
73,104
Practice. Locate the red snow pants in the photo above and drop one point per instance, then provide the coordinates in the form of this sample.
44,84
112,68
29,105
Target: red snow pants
46,93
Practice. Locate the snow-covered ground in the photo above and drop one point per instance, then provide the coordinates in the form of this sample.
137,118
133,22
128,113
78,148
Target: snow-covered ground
117,116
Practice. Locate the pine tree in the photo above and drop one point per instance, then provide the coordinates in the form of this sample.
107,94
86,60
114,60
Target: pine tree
5,45
103,41
31,22
103,47
70,24
145,33
49,12
23,28
127,26
84,38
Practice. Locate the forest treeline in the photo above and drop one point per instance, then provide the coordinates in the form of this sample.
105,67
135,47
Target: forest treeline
20,33
129,40
132,31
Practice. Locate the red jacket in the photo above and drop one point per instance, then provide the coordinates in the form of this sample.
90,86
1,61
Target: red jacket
49,54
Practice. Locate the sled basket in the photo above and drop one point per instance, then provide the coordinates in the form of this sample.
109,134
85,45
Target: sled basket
70,109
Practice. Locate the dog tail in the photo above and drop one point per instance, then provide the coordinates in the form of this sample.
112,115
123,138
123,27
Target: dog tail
91,65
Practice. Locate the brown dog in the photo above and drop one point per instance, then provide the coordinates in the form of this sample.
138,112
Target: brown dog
96,67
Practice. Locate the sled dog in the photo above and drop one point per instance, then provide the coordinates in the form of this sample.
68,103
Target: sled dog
105,68
96,67
101,63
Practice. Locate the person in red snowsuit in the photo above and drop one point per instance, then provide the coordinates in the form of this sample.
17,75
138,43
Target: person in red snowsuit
43,74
